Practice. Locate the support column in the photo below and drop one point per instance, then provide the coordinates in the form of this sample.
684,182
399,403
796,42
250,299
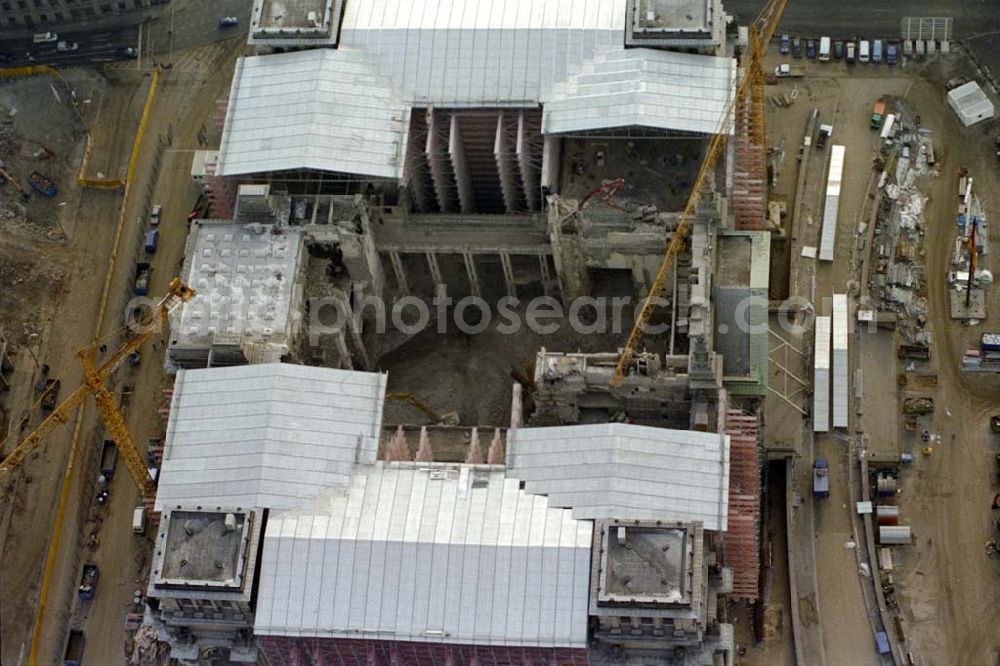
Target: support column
435,151
543,264
397,268
432,263
470,270
463,181
529,173
502,154
508,274
550,164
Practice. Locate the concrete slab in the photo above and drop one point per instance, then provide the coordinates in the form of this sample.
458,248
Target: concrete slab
974,310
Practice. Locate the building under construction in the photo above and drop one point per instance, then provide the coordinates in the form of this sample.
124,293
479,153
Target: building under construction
385,150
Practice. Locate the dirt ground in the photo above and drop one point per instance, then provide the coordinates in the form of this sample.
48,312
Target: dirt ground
944,583
185,100
471,375
948,586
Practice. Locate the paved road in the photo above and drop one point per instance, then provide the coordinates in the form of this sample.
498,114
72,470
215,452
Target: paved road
849,18
182,24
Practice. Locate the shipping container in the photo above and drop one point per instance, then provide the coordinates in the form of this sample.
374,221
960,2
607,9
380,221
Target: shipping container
894,535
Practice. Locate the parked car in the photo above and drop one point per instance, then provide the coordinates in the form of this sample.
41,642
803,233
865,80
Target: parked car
891,54
796,48
228,21
784,45
45,37
864,51
152,240
154,217
811,49
838,50
66,47
825,50
877,51
849,55
127,52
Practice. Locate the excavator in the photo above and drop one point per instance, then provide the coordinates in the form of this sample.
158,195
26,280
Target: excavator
749,100
95,383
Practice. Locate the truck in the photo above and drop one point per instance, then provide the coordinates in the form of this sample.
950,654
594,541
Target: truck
139,520
73,655
821,478
88,581
152,240
824,49
109,460
917,351
44,37
824,135
787,71
878,113
142,273
51,394
42,184
882,643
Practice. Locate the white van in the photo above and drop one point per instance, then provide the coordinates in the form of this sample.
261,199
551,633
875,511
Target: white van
824,49
864,51
139,520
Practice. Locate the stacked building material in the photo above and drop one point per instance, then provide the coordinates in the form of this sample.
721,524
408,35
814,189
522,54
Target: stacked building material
821,376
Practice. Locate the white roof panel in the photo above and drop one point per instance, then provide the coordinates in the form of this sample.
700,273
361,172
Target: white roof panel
271,436
643,87
347,109
431,552
625,471
315,109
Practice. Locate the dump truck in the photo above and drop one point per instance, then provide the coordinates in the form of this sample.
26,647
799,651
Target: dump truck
88,581
918,406
878,114
42,184
73,655
821,478
109,460
142,272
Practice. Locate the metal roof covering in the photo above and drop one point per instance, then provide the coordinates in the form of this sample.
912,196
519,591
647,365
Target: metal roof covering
346,110
644,88
272,436
430,552
318,109
625,471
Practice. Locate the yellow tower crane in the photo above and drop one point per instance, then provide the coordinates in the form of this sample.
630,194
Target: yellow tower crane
95,378
749,90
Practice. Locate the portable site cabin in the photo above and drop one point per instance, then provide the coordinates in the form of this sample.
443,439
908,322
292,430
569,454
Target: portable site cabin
970,103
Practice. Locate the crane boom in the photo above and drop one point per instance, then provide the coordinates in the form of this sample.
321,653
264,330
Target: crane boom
761,32
95,378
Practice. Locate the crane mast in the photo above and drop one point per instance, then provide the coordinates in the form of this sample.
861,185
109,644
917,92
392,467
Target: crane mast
749,90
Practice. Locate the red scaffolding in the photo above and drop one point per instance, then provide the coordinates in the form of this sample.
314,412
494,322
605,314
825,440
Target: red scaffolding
742,545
